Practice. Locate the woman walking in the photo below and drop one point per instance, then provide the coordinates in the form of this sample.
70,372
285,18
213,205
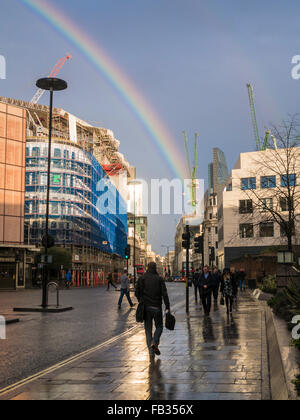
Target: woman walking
228,289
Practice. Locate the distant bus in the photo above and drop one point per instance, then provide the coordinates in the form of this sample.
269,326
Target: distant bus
140,269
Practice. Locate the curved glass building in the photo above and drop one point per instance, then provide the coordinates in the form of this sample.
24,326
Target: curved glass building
78,188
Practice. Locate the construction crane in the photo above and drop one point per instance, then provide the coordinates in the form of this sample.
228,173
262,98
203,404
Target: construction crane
56,69
192,172
265,142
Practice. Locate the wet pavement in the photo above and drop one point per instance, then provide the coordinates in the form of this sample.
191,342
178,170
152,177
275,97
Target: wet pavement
216,358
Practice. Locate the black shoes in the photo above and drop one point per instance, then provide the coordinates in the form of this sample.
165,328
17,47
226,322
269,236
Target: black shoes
155,349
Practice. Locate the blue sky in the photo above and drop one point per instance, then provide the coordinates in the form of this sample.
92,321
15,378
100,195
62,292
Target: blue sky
191,59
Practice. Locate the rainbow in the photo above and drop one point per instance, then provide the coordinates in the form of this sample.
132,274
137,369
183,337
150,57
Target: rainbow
130,94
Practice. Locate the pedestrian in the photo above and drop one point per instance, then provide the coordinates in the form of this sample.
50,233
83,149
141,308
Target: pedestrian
110,281
242,280
206,286
125,290
216,284
68,279
196,281
228,289
151,290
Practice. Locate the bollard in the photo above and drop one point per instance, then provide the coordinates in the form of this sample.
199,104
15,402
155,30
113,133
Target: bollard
2,328
57,292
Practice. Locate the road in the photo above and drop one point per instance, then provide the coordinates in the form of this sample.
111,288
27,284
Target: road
42,340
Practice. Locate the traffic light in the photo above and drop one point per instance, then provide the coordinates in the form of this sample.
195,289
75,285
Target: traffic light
48,241
186,240
199,245
127,252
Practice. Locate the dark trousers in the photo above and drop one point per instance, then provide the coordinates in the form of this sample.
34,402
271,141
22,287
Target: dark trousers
110,282
216,292
229,303
153,314
206,302
125,292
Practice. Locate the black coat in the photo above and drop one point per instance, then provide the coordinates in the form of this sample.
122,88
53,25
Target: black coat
216,279
196,279
151,289
206,285
233,284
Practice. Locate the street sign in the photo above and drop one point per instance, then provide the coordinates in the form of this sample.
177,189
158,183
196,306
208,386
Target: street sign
49,259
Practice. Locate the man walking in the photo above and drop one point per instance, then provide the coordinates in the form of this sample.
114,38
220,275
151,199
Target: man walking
110,281
196,281
242,280
206,286
151,289
216,277
125,289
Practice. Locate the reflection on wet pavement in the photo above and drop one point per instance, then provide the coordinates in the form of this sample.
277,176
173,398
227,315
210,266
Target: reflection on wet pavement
216,358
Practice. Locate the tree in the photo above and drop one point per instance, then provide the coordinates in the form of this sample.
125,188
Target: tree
277,200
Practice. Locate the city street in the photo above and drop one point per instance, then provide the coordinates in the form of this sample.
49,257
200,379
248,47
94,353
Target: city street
42,340
213,358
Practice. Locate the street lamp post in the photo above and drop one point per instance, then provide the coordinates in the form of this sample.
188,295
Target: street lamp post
52,84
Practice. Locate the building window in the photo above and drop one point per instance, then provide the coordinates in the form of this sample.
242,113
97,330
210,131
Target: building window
54,208
229,187
284,203
285,229
216,230
209,230
289,180
266,204
57,153
45,151
34,178
35,152
246,230
268,181
217,245
246,207
248,184
266,229
56,179
210,216
44,179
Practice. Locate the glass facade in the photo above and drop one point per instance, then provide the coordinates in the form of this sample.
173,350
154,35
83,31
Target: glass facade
75,217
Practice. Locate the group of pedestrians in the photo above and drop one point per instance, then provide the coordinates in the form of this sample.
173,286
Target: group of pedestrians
209,283
151,291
